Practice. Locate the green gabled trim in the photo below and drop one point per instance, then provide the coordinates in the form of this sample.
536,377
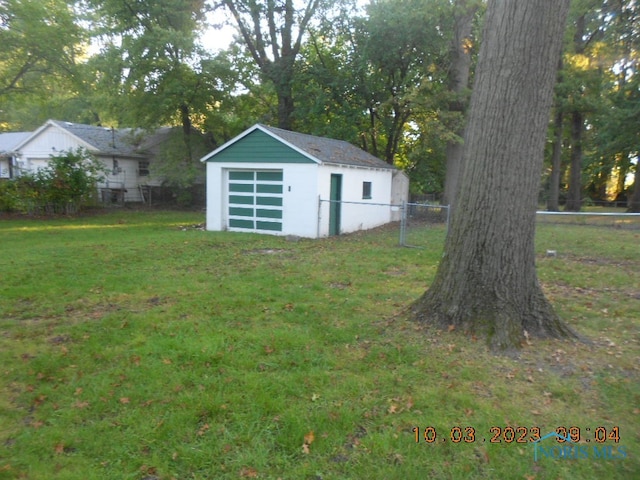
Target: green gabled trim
258,147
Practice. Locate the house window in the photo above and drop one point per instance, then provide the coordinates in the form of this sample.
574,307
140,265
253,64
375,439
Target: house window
115,168
143,168
366,190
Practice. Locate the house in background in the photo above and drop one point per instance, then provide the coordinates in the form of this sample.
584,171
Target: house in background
8,143
129,176
269,180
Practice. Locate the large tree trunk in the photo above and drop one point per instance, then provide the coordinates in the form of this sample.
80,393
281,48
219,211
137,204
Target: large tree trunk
458,84
486,282
553,202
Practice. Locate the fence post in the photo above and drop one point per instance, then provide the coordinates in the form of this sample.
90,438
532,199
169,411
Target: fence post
448,217
403,223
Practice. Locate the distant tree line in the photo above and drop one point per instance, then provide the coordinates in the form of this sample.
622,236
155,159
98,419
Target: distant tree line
393,78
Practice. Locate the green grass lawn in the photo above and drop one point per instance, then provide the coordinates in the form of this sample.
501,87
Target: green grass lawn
135,346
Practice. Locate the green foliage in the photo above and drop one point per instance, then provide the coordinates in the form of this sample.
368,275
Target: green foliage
372,76
67,183
191,354
178,163
381,82
41,46
149,68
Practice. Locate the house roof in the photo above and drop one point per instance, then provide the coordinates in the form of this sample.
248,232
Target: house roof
318,149
100,140
8,141
110,141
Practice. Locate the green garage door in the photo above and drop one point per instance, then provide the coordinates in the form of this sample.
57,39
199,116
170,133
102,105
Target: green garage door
255,200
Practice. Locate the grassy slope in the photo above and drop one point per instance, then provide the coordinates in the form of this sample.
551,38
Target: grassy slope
131,347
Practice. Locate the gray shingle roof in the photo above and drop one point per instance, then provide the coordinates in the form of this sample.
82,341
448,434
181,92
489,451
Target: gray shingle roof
107,141
8,141
328,150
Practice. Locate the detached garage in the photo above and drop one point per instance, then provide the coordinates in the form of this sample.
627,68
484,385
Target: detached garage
269,180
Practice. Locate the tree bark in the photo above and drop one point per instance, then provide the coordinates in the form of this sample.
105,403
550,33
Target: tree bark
486,283
458,84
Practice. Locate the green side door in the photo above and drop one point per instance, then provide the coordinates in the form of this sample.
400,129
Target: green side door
335,204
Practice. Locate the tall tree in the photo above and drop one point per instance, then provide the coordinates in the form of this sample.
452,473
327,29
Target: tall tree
401,59
41,43
369,79
150,72
486,282
617,136
150,63
272,31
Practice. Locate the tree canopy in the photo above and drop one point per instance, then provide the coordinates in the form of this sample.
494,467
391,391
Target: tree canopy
391,76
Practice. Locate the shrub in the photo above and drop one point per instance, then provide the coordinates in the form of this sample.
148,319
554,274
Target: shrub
66,184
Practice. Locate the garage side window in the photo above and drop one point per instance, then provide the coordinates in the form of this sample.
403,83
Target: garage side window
366,190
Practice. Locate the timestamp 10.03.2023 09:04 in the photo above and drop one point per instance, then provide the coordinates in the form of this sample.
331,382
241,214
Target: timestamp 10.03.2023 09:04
515,434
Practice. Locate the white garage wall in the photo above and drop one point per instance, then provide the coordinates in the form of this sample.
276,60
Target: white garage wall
363,213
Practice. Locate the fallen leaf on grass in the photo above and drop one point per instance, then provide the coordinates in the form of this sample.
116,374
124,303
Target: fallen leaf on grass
124,400
81,405
248,472
148,470
309,438
409,403
59,448
203,429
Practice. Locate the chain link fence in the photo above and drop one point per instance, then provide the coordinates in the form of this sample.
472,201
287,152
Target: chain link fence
611,219
417,219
